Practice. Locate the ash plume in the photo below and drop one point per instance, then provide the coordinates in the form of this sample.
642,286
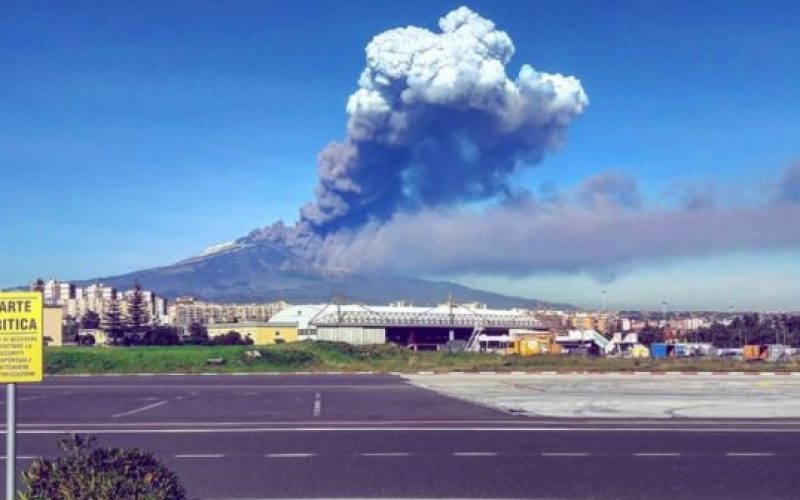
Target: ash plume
436,121
567,236
436,125
789,185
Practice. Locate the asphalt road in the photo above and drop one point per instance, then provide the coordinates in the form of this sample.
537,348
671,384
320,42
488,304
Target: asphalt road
374,436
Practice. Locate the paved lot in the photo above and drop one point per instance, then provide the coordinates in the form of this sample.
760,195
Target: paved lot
373,436
625,396
220,399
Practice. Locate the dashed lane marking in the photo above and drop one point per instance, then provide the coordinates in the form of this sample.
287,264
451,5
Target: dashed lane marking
475,454
139,410
317,411
656,454
748,454
387,454
289,455
565,454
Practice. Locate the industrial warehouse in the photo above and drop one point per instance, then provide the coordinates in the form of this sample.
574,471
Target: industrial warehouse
449,324
473,327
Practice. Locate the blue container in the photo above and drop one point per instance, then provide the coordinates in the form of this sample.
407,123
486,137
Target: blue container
681,350
658,350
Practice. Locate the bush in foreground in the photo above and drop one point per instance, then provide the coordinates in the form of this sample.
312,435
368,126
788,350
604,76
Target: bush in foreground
87,472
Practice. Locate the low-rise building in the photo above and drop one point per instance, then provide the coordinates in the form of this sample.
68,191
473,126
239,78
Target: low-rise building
261,333
52,325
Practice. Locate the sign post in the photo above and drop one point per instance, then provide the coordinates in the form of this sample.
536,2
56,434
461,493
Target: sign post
11,440
21,353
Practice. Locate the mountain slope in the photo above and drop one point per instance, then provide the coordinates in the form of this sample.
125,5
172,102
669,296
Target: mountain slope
266,272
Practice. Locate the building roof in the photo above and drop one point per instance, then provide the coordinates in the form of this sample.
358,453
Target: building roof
299,316
445,315
234,326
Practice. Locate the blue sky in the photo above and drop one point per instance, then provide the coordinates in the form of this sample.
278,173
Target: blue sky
135,134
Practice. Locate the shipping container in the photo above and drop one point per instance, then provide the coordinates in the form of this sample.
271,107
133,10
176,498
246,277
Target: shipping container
659,350
755,352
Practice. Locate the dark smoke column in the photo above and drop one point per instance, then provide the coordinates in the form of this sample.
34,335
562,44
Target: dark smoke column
436,121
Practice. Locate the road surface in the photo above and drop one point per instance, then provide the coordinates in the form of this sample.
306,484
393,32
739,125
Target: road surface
368,436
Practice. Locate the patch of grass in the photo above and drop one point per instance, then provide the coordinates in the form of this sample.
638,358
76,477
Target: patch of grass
324,356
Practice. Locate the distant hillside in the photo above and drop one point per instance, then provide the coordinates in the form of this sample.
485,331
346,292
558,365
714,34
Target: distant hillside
266,272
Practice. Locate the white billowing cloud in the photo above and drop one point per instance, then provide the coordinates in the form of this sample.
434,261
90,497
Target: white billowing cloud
436,121
462,66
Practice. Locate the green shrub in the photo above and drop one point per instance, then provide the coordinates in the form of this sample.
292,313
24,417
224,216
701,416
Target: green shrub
87,472
286,357
231,338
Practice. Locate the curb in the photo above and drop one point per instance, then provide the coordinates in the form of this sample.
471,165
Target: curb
630,373
441,372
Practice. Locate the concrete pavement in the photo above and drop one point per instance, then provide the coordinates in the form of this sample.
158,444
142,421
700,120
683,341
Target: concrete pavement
614,395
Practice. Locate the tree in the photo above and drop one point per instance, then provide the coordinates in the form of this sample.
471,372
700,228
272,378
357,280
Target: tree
90,320
38,285
232,338
69,329
85,471
113,324
86,339
137,310
651,334
161,335
198,334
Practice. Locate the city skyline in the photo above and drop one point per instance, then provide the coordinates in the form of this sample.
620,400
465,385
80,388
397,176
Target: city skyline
151,132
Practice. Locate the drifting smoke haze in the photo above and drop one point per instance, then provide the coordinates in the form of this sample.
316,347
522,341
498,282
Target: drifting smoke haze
600,237
436,125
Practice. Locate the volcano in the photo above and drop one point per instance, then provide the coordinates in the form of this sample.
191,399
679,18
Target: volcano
435,122
264,266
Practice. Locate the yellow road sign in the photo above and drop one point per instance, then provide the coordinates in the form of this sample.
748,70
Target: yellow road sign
21,337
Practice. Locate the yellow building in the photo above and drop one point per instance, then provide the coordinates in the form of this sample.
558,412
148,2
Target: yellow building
533,344
52,321
261,333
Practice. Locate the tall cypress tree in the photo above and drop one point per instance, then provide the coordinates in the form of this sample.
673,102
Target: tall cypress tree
138,316
113,323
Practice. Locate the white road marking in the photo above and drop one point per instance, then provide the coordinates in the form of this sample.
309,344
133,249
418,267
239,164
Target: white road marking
22,457
475,454
289,455
656,454
317,405
565,454
527,424
200,455
748,454
30,398
139,410
229,430
387,454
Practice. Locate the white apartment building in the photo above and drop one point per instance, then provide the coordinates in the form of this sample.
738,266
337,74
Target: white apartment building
187,310
77,301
